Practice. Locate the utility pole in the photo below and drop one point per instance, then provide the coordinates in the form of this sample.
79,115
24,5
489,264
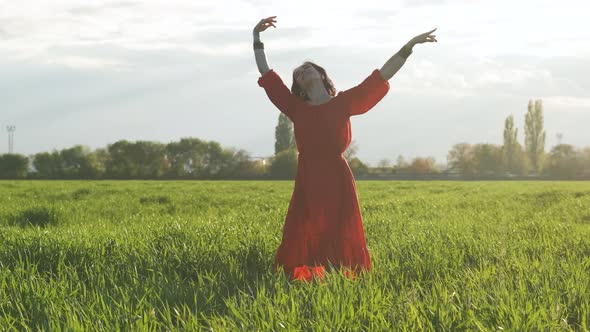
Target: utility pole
10,130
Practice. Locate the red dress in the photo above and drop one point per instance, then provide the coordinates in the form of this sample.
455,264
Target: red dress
323,224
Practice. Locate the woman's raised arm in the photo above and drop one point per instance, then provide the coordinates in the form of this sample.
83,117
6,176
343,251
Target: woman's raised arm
272,83
398,59
259,46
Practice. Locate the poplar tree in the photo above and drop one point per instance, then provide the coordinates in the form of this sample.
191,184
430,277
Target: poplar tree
534,134
510,146
284,137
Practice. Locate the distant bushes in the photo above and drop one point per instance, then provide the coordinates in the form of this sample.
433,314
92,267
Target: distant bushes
13,166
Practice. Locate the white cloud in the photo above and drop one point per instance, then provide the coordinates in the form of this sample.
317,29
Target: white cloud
78,62
566,103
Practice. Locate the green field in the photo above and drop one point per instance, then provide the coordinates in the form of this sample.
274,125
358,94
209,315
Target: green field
197,255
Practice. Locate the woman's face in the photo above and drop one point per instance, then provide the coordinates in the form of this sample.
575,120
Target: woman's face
305,73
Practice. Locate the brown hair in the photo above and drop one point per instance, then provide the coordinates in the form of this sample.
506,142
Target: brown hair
328,84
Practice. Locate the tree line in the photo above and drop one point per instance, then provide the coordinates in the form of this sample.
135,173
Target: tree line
511,159
193,158
189,158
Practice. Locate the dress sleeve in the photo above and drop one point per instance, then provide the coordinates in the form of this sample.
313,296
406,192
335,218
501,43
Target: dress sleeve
364,96
278,93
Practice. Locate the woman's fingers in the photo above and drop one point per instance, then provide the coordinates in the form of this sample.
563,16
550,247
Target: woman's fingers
429,32
268,25
429,37
264,23
270,22
425,39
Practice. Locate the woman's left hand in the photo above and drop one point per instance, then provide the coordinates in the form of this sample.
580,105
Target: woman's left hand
426,37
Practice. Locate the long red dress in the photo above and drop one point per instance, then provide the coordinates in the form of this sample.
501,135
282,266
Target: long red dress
323,223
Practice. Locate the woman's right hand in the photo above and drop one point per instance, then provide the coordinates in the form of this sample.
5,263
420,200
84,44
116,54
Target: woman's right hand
265,23
426,37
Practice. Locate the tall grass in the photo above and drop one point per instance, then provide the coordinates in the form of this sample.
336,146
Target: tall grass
447,256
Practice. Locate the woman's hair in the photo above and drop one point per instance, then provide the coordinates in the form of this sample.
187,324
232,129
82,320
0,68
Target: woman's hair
328,84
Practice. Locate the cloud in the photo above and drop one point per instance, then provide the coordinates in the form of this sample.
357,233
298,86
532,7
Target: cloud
87,10
420,3
566,103
112,70
77,62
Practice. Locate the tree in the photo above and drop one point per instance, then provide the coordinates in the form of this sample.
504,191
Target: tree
461,159
421,165
284,137
565,162
487,159
521,161
259,169
509,149
232,164
240,166
384,163
216,160
186,158
384,166
78,162
141,159
284,165
401,166
357,167
120,163
535,135
48,165
149,158
400,162
13,166
99,158
351,151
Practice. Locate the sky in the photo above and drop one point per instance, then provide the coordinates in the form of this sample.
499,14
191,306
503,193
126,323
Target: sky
93,72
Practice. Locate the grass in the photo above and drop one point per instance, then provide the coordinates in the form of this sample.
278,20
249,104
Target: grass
196,255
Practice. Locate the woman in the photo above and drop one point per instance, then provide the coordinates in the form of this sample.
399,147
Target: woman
323,227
